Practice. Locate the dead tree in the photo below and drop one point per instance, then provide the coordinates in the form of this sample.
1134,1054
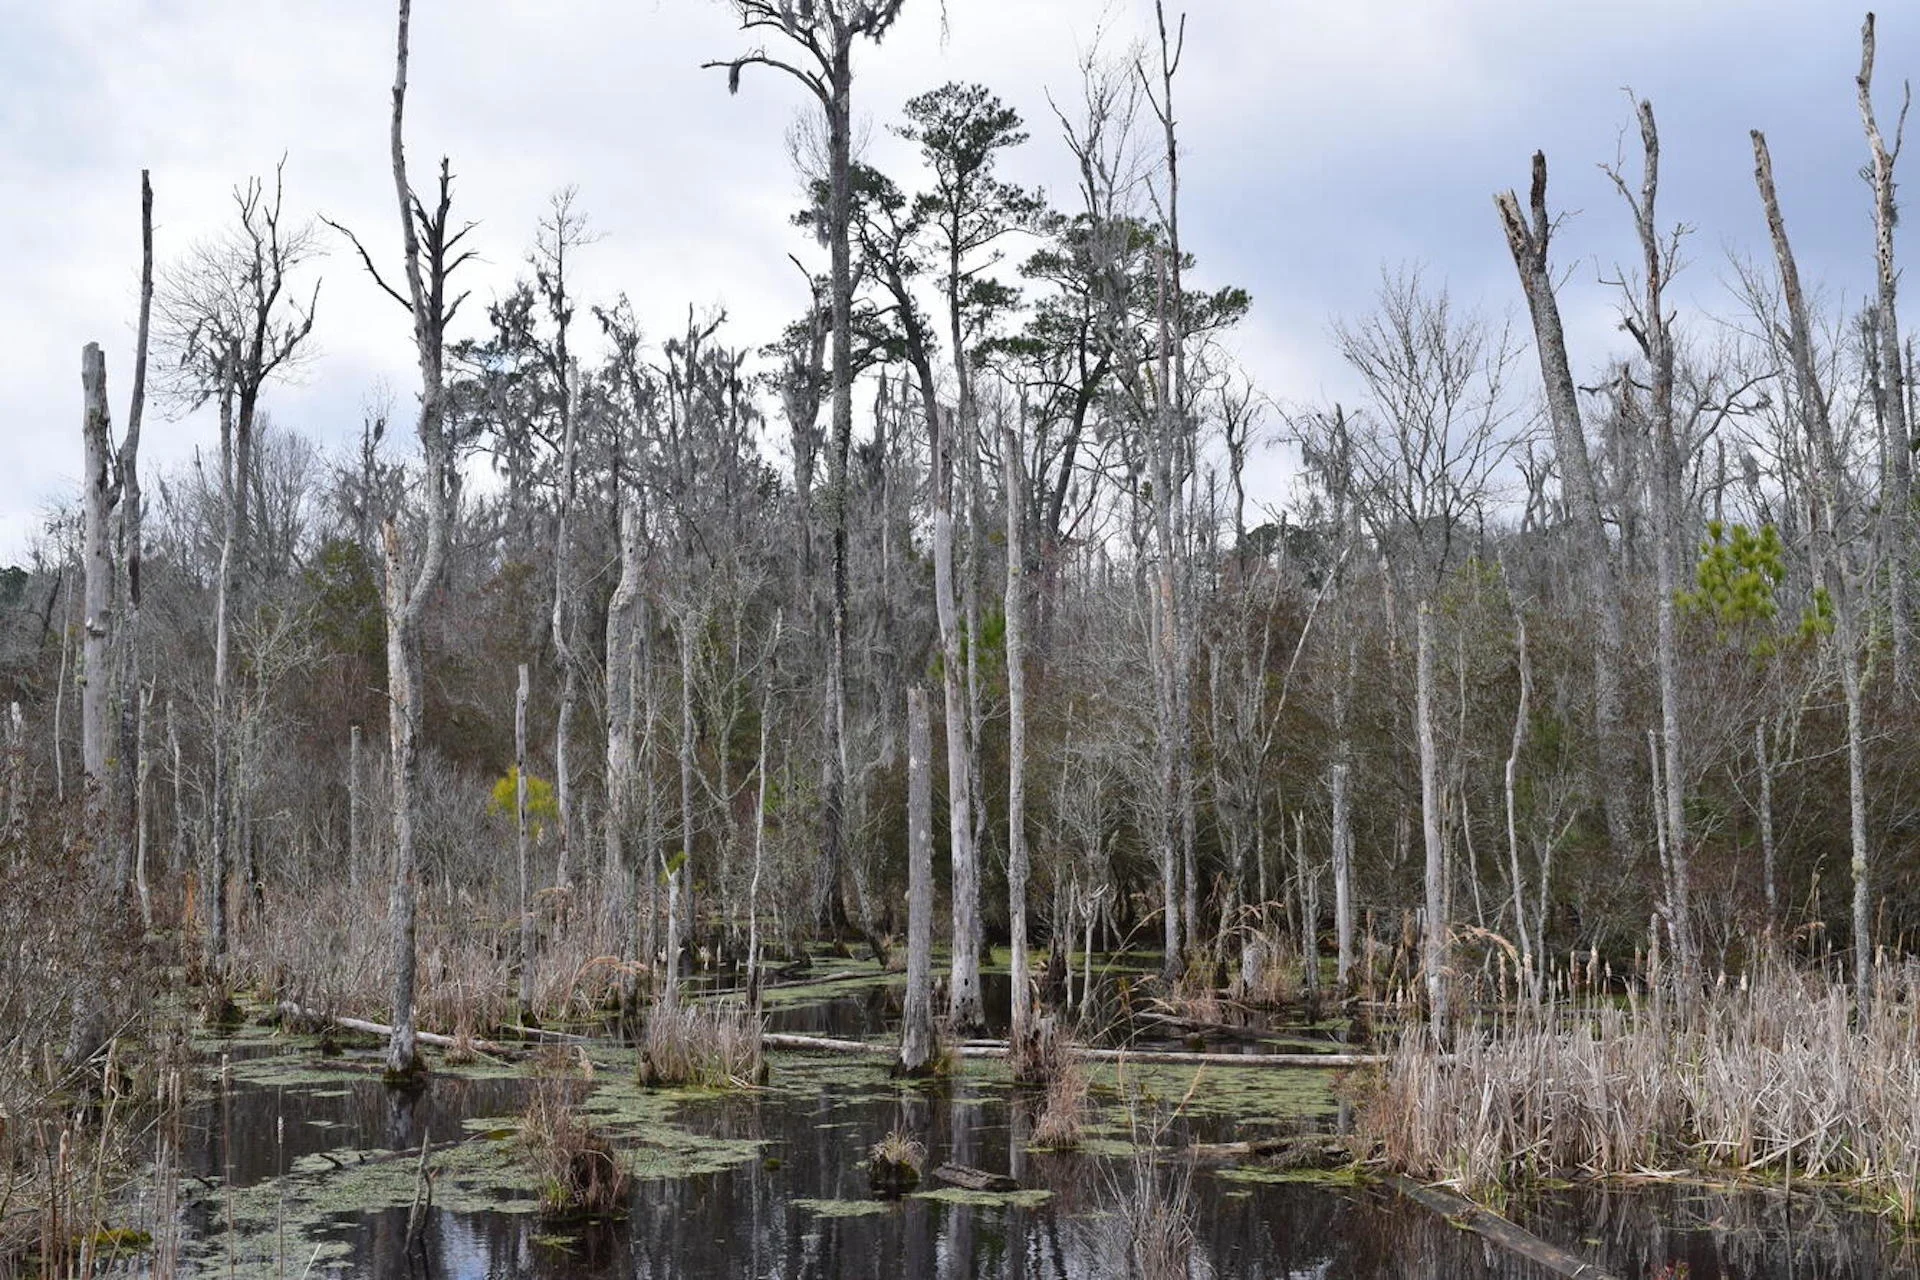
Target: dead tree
232,323
1830,573
825,32
520,841
1527,237
430,246
1652,328
97,624
1016,626
1890,386
916,1025
1433,952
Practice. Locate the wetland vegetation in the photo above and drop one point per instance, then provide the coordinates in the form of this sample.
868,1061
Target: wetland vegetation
521,848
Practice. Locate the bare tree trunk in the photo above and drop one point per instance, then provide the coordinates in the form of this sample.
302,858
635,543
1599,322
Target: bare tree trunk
1342,874
1766,824
15,834
355,854
839,109
1890,388
1016,607
219,816
60,690
1527,237
761,766
916,1025
1433,961
1649,323
129,510
181,856
1512,780
620,699
1165,629
677,879
97,626
1829,571
563,640
963,984
143,766
520,840
428,307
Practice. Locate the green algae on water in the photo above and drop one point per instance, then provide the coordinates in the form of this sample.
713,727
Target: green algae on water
842,1208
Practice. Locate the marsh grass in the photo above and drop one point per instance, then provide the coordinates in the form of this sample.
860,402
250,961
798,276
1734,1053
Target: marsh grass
701,1044
82,1063
578,1170
1777,1076
1149,1228
895,1163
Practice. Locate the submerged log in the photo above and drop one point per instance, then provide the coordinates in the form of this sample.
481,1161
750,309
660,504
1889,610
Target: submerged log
1299,1151
998,1049
1490,1225
960,1175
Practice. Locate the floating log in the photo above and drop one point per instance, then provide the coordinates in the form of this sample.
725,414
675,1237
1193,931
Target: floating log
1490,1225
972,1179
292,1010
1164,1057
1300,1151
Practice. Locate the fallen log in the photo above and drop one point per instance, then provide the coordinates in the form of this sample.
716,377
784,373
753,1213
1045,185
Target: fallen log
1485,1222
972,1179
292,1010
1166,1057
1300,1151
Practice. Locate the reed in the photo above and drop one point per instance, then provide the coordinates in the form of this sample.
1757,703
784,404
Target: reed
704,1045
1782,1074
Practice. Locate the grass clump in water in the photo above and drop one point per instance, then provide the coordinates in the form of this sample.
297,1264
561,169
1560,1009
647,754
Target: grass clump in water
894,1164
701,1045
579,1172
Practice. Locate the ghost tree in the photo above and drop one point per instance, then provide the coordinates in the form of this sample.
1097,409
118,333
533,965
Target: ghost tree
1528,237
824,33
1651,325
1838,587
430,246
1886,360
231,322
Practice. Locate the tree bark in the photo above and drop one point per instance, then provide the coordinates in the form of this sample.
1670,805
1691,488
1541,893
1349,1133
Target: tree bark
1890,388
916,1026
620,706
1342,874
1527,238
406,605
1828,570
1433,961
1016,609
97,623
521,842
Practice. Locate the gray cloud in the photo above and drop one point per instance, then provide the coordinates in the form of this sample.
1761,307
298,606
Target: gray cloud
1320,139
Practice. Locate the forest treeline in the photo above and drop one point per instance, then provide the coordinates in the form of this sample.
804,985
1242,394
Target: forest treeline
1546,649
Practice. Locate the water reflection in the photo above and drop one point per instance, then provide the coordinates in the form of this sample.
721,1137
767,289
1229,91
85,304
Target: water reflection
762,1216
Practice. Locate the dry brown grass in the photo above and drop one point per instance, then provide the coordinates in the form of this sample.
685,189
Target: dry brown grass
82,1068
1149,1229
1064,1113
708,1046
894,1163
578,1170
1779,1075
327,949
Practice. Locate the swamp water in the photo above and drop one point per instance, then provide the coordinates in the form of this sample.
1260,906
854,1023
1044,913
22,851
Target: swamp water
295,1166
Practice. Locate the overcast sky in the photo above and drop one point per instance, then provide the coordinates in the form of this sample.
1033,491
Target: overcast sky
1321,140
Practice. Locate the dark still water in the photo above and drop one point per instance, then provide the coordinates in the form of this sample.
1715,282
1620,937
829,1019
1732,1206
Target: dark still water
298,1169
293,1166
